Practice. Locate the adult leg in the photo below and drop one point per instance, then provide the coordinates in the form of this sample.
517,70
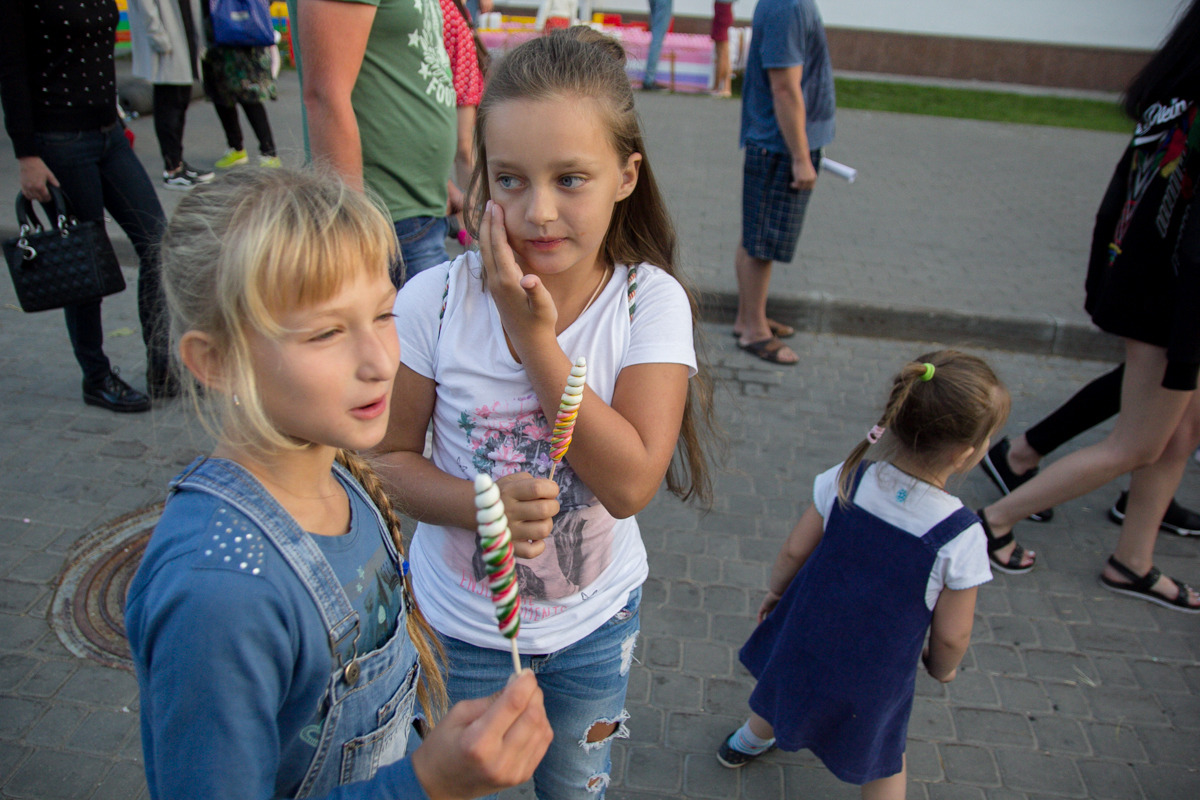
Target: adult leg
1091,405
130,198
722,78
170,110
1145,425
1150,492
660,20
74,159
754,284
229,123
256,114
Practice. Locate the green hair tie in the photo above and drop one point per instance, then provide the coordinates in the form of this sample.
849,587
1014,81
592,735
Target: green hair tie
928,375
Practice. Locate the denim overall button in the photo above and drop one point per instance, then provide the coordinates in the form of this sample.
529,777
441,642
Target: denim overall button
351,673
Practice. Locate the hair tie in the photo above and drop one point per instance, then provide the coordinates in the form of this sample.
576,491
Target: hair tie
928,375
874,434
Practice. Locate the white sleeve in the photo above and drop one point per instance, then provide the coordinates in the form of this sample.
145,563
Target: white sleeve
661,330
418,312
825,490
965,560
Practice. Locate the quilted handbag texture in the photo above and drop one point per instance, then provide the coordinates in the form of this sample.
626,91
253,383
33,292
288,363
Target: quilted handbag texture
62,263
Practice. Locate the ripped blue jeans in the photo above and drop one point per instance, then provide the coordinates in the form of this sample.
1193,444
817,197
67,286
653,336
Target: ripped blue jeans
583,684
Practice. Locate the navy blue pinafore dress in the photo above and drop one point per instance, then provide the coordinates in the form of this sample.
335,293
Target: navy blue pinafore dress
836,660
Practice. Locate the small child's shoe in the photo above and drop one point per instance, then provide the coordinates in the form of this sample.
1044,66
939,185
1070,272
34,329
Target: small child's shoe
733,758
231,158
269,161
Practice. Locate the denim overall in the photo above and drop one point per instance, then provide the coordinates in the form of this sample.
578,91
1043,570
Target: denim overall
836,660
370,697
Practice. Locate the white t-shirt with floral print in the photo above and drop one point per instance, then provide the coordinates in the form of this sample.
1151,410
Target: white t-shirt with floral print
486,418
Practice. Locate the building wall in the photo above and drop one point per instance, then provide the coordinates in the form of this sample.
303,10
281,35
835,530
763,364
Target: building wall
1122,24
1077,44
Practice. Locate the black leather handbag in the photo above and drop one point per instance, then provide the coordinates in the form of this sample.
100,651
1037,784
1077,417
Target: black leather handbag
62,263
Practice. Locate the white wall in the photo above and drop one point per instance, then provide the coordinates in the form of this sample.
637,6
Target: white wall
1136,24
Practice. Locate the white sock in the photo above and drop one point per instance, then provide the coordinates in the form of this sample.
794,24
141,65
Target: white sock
745,741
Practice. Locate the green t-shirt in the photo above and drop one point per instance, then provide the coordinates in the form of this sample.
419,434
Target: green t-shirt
404,104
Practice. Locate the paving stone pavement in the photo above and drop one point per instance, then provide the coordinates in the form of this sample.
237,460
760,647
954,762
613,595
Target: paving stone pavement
1067,690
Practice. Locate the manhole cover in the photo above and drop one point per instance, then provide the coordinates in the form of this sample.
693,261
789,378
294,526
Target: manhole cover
88,610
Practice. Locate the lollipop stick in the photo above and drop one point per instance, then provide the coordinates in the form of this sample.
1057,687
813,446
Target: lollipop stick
553,466
516,656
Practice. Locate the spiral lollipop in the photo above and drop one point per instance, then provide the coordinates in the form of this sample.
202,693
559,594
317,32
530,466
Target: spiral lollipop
495,541
568,411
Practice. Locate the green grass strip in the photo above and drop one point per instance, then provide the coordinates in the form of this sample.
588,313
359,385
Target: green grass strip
1063,112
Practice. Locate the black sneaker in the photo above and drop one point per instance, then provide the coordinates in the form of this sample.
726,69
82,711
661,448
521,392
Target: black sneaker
736,758
995,465
114,394
197,175
1178,519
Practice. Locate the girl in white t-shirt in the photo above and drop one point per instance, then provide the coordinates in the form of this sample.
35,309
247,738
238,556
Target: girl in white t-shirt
577,258
882,555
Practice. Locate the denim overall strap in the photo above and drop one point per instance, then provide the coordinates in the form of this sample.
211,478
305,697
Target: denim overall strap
945,531
236,486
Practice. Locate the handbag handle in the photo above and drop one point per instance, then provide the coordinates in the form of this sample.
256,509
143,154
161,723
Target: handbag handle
57,212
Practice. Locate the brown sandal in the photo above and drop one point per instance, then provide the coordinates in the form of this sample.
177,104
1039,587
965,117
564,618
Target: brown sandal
778,330
768,350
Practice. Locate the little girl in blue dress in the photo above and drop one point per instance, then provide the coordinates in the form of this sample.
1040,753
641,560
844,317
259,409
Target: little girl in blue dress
883,555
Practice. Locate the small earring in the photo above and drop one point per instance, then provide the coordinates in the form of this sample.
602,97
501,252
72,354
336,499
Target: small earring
236,402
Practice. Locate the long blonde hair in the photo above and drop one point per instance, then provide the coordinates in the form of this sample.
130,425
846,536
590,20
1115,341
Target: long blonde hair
961,402
236,252
582,63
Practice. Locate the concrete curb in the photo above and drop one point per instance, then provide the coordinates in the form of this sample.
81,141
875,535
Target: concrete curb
823,313
818,312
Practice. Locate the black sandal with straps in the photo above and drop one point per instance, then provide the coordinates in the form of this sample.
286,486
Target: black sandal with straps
1013,565
1140,586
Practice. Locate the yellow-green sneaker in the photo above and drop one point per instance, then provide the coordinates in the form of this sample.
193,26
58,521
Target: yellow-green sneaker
230,159
269,161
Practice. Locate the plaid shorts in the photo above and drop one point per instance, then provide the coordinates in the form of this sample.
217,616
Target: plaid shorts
772,211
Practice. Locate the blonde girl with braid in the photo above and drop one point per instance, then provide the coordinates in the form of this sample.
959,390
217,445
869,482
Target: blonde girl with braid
279,652
883,556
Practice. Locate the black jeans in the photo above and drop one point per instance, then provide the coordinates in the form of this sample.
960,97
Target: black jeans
98,170
170,112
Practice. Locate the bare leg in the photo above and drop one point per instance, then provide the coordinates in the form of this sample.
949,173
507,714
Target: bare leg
1150,491
892,787
754,282
760,727
722,77
1145,425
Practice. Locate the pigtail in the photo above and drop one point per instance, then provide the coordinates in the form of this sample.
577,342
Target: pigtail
431,691
940,401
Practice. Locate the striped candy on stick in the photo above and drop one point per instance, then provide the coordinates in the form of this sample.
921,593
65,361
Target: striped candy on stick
495,541
568,411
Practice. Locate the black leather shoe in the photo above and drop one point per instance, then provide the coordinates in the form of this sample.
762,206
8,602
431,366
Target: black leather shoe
995,465
114,394
1178,519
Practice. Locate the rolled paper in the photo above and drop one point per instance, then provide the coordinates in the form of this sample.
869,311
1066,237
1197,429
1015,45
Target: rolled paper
568,411
495,542
839,169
